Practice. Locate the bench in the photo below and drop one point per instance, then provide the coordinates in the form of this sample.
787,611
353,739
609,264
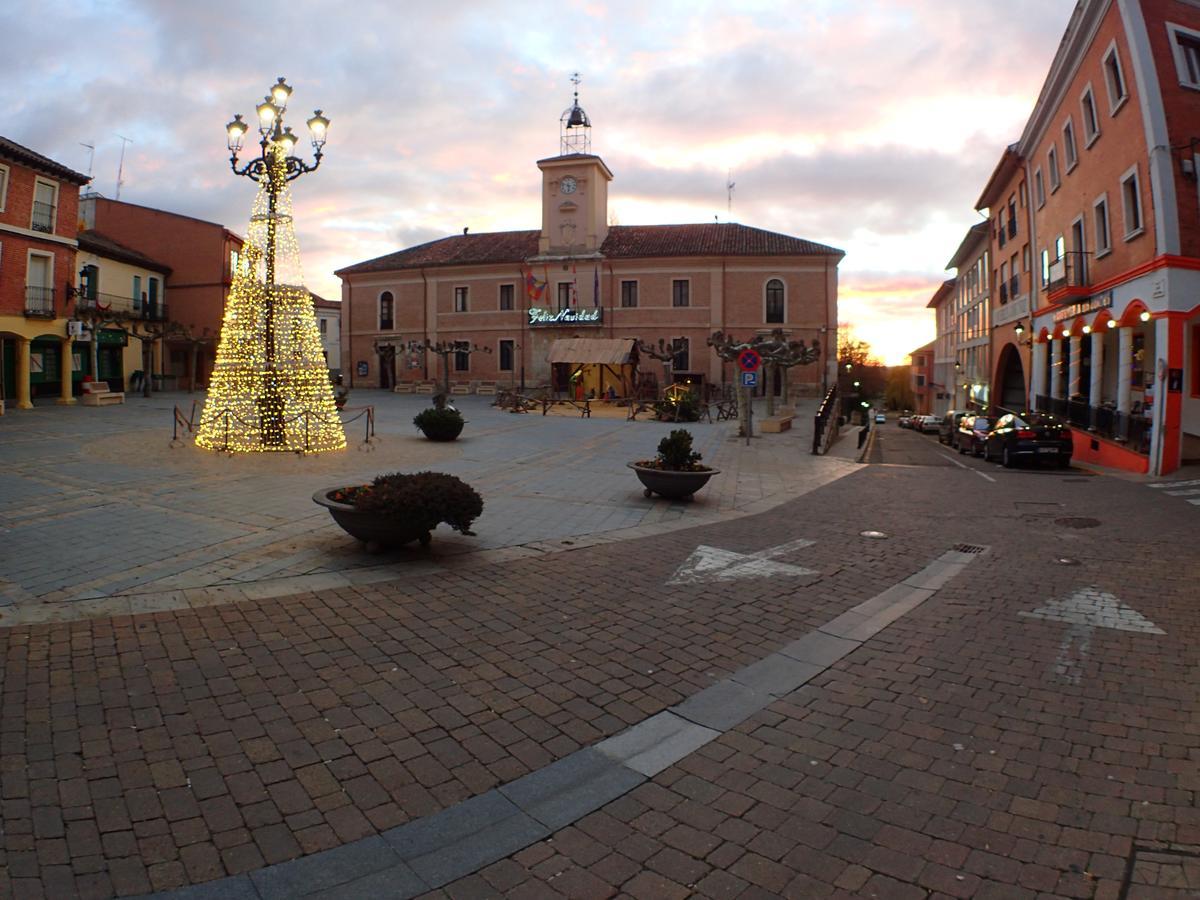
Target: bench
424,387
460,387
486,387
96,393
403,387
775,424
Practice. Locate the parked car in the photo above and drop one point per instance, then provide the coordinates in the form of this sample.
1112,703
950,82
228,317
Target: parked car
972,434
1034,436
928,424
880,419
948,427
904,421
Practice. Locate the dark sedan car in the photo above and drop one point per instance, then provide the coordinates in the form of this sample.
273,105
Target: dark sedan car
972,434
1032,436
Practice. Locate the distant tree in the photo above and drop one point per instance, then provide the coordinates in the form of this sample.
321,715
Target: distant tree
899,393
852,349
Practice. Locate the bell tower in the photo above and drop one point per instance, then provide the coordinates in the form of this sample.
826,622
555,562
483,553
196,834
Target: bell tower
574,190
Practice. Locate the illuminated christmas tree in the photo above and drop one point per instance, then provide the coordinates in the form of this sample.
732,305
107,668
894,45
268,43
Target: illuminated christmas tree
270,388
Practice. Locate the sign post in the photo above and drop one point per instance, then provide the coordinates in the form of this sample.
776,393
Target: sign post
749,362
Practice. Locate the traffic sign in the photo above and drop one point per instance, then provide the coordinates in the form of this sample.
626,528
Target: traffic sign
749,360
749,379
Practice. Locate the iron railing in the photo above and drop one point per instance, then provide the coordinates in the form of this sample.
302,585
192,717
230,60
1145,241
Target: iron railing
43,217
122,307
39,301
1073,271
1104,421
823,432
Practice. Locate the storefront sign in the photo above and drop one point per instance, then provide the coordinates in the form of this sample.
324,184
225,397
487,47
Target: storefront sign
1100,301
112,338
539,316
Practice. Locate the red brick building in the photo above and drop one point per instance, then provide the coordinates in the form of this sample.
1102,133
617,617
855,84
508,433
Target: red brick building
1110,212
39,208
202,257
521,293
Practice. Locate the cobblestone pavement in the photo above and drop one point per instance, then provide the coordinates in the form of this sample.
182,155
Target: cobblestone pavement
136,526
963,750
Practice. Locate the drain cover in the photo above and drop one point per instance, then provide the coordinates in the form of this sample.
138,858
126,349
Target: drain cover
874,535
968,548
1067,561
1077,522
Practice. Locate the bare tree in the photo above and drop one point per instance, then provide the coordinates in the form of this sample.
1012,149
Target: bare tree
444,349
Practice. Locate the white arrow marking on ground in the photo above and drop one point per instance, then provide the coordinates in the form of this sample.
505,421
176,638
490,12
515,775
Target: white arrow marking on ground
1190,492
1086,610
711,564
1173,484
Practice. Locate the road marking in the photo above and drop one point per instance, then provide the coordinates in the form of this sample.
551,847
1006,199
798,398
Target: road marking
1191,492
1174,484
1086,610
712,564
968,468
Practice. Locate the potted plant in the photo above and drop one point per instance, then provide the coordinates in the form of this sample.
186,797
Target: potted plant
676,473
440,422
397,509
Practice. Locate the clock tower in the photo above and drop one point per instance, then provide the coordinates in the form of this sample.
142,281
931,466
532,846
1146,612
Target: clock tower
574,191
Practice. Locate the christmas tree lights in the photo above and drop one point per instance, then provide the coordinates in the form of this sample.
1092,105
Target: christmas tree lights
270,388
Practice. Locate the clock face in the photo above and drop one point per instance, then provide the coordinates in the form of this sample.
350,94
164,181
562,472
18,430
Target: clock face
568,185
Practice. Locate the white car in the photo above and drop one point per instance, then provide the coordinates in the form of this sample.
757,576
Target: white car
880,419
928,424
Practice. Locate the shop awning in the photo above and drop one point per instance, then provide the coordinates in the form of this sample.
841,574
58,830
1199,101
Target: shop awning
610,351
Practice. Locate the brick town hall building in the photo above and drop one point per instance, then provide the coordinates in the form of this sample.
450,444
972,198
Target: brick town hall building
526,294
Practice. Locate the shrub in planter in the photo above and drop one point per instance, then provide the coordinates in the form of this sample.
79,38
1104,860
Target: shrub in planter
439,424
676,473
684,409
398,508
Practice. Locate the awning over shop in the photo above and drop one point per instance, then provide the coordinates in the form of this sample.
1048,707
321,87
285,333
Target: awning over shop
609,352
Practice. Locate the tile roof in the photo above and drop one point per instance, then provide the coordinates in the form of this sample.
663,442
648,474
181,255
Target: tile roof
95,242
623,242
17,153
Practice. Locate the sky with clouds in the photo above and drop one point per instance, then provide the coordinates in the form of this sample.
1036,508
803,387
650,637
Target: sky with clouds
871,125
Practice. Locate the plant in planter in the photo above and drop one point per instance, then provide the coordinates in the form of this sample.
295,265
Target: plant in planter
676,473
439,422
397,508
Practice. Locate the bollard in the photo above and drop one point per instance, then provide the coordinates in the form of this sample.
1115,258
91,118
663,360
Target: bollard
862,436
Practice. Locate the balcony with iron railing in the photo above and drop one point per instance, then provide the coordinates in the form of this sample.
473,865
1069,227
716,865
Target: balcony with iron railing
1071,271
39,302
1105,421
118,307
43,217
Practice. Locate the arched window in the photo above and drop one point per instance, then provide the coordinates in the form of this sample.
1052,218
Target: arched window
386,304
775,301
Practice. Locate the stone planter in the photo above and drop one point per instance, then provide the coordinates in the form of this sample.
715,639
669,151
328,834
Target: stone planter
376,531
671,484
443,431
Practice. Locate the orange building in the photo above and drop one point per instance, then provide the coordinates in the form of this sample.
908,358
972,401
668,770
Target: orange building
521,294
39,202
921,367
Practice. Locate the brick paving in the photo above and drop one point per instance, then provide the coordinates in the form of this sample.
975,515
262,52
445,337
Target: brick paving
947,756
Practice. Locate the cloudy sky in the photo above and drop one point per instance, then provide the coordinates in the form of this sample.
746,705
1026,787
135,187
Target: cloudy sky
871,125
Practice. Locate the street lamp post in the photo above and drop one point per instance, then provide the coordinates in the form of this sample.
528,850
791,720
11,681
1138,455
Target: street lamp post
274,167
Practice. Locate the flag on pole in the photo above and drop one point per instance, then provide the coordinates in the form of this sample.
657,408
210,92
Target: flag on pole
534,288
595,286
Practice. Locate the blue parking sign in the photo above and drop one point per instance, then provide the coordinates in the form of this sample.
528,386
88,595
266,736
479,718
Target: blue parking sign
749,379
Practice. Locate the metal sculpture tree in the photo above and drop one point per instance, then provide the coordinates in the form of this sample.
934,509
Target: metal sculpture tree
444,349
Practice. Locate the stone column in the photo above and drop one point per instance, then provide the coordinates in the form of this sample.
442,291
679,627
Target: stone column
66,370
1096,388
1073,366
1038,375
23,400
1125,370
1056,372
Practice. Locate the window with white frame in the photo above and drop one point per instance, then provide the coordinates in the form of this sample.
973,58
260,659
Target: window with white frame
1114,79
681,292
1052,166
45,206
1039,188
1185,44
507,292
1079,247
3,186
1091,122
629,292
1045,267
1070,154
323,326
1100,218
1131,203
460,298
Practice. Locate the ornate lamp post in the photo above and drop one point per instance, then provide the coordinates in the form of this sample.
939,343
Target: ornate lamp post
274,167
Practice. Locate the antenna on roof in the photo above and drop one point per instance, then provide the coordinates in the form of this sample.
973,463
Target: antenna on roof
91,155
121,165
729,186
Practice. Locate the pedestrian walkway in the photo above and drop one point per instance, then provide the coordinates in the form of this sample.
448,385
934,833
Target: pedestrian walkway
138,526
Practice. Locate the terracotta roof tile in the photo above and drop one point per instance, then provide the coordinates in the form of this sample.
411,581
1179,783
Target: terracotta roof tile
623,242
14,151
